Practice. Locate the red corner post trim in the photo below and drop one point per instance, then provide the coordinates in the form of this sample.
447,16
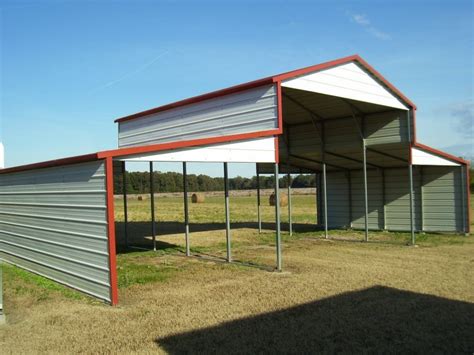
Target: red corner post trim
279,107
109,173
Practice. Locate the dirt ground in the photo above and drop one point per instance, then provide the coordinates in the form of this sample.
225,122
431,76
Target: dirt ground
336,295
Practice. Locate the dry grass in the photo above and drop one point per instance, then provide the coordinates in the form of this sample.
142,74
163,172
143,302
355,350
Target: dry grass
335,295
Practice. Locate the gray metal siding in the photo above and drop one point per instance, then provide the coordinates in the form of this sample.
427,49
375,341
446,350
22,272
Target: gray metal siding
375,197
440,199
444,199
338,200
386,128
243,112
53,222
397,199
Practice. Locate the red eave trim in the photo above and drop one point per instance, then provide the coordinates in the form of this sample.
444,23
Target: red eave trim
52,163
441,153
186,144
192,100
141,149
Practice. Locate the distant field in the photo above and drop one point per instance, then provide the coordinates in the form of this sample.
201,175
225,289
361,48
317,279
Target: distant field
337,295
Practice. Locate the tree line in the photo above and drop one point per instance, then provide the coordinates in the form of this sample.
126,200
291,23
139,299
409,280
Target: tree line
139,182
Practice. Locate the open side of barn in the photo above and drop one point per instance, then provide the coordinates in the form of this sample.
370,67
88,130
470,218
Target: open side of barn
340,120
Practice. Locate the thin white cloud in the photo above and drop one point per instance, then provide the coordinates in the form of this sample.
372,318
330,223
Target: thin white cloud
363,21
129,74
463,114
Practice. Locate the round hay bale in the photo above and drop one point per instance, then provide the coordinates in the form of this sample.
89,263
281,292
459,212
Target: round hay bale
283,200
197,198
141,198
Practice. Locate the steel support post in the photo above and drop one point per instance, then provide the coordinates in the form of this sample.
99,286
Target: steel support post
366,197
325,187
422,200
384,201
317,184
125,210
259,206
227,213
152,207
2,317
277,218
349,182
186,209
412,224
463,198
290,221
410,173
325,198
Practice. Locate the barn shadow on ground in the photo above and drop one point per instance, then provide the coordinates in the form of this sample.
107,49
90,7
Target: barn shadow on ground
139,232
375,320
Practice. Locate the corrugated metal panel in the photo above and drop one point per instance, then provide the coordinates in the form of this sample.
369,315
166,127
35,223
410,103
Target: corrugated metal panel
386,128
303,140
246,151
53,222
342,136
421,157
397,199
375,197
243,112
444,199
348,80
338,200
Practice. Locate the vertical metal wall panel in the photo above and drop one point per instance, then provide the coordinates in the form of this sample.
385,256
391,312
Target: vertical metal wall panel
386,128
341,136
397,199
338,203
444,200
243,112
375,198
303,140
53,222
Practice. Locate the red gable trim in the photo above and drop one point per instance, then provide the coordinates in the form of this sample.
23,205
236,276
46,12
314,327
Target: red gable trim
271,80
333,63
52,163
440,153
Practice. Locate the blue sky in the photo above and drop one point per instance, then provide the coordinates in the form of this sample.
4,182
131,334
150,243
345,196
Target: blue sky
69,68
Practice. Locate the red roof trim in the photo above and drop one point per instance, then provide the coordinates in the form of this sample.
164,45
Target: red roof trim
52,163
185,144
333,63
269,80
440,153
141,149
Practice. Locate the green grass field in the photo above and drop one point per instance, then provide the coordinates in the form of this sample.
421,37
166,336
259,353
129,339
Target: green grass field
336,295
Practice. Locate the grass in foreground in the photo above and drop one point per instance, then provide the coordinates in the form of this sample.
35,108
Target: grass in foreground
334,295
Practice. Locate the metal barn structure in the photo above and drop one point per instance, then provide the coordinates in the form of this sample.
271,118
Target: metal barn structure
340,120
